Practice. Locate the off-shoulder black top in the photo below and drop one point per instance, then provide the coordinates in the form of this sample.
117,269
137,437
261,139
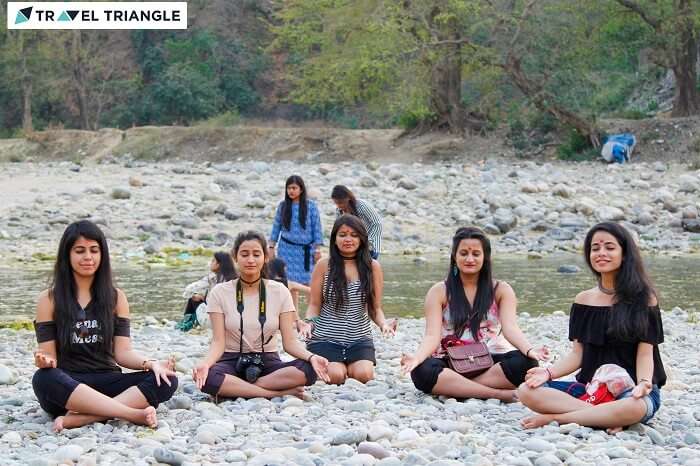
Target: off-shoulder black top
589,324
84,354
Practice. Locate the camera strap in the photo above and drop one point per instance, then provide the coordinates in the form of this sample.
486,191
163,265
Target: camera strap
262,316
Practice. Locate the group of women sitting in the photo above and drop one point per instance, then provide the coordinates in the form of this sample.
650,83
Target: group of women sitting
82,328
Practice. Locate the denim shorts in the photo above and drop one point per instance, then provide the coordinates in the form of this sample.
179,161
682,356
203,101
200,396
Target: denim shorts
361,350
652,400
576,389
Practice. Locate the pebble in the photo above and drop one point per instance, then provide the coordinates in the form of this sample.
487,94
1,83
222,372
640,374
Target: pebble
165,456
537,444
68,453
374,449
7,376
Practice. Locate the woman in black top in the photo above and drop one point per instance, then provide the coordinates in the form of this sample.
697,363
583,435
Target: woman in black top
616,322
82,327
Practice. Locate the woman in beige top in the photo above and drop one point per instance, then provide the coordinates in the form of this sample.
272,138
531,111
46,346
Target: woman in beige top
246,363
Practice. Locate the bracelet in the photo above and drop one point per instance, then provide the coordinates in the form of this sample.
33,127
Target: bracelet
309,358
527,353
145,361
548,372
311,319
644,380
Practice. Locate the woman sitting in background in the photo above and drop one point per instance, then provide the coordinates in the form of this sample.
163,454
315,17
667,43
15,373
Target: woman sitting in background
82,326
221,269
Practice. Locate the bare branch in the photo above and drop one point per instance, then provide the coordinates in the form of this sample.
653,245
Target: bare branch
634,6
523,17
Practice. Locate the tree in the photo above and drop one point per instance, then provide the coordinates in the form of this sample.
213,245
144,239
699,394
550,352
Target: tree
400,55
676,26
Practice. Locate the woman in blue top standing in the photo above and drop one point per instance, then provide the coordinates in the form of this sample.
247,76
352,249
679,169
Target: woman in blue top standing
297,232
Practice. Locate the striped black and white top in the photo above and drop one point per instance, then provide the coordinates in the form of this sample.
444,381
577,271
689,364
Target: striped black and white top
346,325
372,221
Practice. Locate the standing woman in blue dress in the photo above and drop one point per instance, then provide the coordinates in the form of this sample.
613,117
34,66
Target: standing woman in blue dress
297,232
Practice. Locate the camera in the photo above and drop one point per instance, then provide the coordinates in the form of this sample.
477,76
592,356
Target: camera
250,366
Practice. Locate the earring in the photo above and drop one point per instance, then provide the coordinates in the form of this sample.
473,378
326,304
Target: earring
455,270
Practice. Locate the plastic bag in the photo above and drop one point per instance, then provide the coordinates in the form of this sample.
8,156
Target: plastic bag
203,316
614,377
618,147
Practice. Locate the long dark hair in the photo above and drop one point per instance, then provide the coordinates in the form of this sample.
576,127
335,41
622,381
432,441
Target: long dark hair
337,281
227,271
64,290
251,235
463,314
287,203
633,289
277,270
342,193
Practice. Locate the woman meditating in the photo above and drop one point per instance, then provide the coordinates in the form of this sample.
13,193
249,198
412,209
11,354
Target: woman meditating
616,322
246,316
82,326
468,307
346,293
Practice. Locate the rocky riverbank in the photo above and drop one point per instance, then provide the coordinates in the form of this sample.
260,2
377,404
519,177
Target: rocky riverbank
386,422
527,207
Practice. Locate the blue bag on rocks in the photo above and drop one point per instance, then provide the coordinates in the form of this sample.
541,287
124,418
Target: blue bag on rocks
618,147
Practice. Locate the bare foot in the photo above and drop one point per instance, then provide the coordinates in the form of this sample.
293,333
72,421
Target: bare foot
534,422
147,417
614,430
296,391
58,424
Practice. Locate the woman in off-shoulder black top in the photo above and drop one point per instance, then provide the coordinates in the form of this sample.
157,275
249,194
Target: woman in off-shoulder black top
82,328
617,322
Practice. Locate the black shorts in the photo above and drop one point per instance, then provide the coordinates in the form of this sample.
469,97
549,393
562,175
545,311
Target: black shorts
514,364
361,350
226,365
53,387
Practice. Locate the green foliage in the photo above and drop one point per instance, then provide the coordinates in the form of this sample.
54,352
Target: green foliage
630,115
576,148
228,118
412,118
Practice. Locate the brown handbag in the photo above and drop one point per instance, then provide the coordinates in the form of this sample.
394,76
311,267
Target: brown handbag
470,359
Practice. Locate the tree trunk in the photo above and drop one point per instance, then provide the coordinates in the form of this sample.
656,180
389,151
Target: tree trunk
27,125
80,79
27,88
446,90
686,100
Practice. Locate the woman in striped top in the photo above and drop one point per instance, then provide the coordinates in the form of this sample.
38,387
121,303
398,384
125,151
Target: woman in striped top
346,293
346,203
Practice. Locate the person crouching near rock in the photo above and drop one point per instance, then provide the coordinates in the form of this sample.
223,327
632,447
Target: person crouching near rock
246,316
346,293
616,322
82,326
469,307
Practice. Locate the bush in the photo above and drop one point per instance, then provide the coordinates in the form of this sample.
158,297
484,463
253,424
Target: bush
228,118
576,148
412,118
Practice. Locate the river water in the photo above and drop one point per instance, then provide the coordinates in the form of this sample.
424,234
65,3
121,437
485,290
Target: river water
540,288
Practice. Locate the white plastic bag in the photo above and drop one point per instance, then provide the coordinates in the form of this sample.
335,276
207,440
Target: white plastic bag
203,316
615,377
